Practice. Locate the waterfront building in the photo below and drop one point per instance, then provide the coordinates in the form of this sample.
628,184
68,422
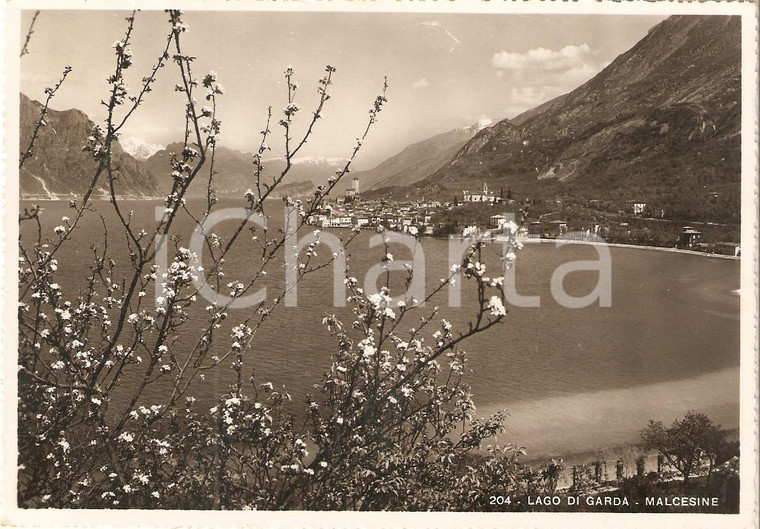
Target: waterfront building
557,228
338,222
470,230
728,248
317,220
688,238
620,232
498,221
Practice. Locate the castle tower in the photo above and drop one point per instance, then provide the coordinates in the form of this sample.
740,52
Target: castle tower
355,185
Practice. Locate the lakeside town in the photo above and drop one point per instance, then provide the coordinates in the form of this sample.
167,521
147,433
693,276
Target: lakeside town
484,213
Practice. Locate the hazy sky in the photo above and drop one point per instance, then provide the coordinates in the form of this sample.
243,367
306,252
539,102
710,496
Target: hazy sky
444,70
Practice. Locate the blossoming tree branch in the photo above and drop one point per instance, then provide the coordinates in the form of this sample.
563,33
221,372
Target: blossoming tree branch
107,413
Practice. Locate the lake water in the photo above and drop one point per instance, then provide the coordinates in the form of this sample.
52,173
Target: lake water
573,379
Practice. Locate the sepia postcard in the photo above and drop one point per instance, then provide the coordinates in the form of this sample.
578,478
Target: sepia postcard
462,263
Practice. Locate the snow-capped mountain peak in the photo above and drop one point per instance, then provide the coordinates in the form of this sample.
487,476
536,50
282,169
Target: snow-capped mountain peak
139,148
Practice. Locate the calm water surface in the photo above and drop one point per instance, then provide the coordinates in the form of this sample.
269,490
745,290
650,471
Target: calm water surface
674,318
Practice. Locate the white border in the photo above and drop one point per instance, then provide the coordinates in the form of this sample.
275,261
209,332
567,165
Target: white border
12,516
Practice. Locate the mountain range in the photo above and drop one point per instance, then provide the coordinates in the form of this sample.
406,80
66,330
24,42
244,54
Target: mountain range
58,167
661,123
235,169
418,160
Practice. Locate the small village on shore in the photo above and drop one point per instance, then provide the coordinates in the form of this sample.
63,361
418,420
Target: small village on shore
484,214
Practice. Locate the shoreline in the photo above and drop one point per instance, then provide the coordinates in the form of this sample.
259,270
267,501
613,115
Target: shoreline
638,247
610,244
576,425
589,456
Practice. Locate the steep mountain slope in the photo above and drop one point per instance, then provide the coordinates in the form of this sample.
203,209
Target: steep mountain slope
540,109
58,165
417,161
661,122
234,170
294,190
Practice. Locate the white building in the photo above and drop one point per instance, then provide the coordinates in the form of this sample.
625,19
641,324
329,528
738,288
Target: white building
484,196
317,220
635,207
470,230
338,222
498,221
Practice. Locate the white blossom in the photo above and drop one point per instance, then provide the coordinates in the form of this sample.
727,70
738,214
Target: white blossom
496,306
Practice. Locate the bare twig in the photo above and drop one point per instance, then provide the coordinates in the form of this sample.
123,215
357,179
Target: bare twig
25,47
43,112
